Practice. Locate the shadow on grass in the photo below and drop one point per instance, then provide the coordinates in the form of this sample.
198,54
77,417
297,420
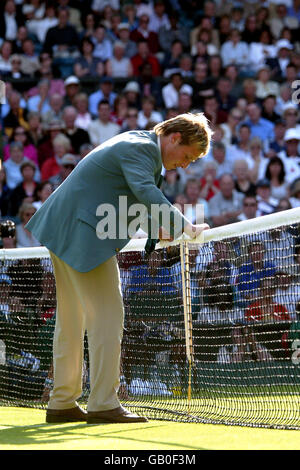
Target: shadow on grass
47,434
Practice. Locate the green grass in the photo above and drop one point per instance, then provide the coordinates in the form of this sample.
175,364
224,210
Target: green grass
25,429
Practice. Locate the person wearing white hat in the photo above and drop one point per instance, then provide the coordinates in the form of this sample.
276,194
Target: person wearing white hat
281,59
291,156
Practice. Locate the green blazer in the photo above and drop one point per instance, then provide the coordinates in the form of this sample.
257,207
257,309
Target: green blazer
129,165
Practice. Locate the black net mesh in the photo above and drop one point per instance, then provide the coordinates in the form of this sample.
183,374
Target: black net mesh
244,352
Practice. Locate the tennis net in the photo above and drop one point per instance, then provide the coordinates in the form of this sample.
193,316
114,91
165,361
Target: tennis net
212,329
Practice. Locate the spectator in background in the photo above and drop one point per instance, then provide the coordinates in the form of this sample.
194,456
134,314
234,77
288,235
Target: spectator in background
234,51
40,103
265,86
172,185
87,65
46,147
25,190
56,102
149,85
148,113
130,122
266,203
13,165
40,26
24,238
104,93
17,116
231,127
281,19
243,184
278,144
197,210
81,104
221,158
209,184
51,166
119,66
10,19
241,149
21,135
62,38
275,173
212,110
268,109
130,47
176,31
132,93
249,208
159,17
76,135
170,92
281,59
72,87
144,55
120,109
35,129
5,63
42,192
290,155
102,129
143,33
29,57
259,126
290,115
102,46
67,165
185,99
5,194
226,205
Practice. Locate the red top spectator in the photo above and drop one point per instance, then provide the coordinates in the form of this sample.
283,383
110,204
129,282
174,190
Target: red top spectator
144,56
142,32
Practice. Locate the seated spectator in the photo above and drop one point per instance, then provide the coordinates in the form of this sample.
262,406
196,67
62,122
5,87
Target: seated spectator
13,165
290,155
215,66
185,99
144,55
84,150
50,71
63,38
249,208
21,135
67,165
284,98
209,184
119,66
51,166
76,135
130,15
5,194
221,158
201,84
235,51
197,209
294,190
226,205
17,116
120,109
159,18
35,132
16,73
102,129
72,88
231,127
148,113
264,85
40,102
251,32
281,59
206,22
170,92
266,203
102,46
290,114
130,122
176,31
24,238
284,205
249,91
42,192
281,19
39,26
87,65
149,85
241,149
172,185
287,292
254,270
24,191
132,93
275,173
130,48
105,92
45,147
205,36
268,110
259,126
29,57
200,53
143,32
256,160
10,19
55,111
81,104
261,51
6,50
243,183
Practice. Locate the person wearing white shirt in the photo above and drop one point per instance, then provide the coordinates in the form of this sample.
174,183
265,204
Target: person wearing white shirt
11,26
159,18
235,51
291,156
147,113
103,49
170,92
102,129
260,51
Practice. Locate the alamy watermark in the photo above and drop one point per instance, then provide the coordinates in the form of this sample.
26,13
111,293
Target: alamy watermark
124,222
296,95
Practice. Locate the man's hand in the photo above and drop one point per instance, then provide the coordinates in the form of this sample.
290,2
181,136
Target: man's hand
193,231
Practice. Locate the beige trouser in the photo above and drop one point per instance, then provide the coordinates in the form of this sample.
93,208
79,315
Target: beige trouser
90,301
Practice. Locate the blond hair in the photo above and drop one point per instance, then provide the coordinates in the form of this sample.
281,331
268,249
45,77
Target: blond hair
194,130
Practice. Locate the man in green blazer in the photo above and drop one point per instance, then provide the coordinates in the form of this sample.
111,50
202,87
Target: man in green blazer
125,168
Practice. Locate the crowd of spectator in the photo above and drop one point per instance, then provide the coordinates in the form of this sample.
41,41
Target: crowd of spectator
77,73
